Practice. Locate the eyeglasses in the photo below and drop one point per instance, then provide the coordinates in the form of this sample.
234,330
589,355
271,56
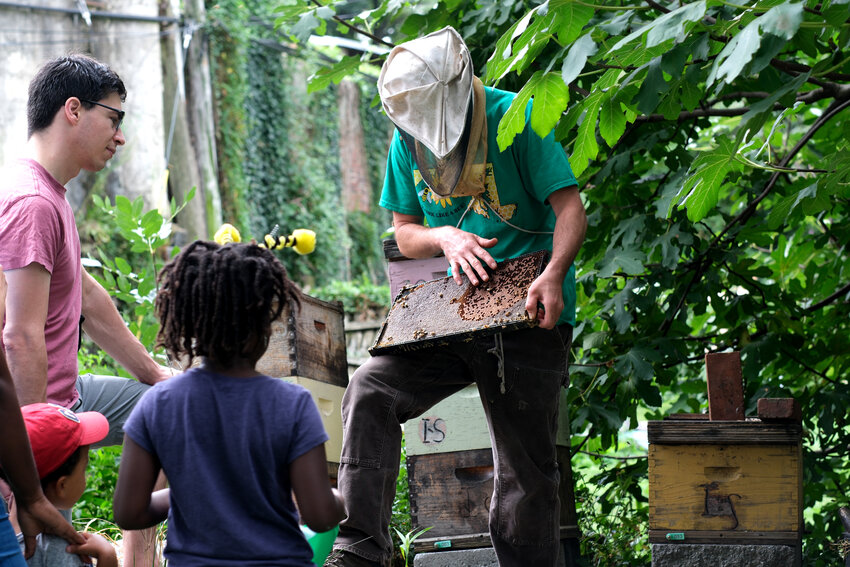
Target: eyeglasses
119,112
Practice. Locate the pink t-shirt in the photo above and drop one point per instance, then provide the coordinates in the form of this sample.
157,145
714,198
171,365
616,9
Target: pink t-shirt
37,225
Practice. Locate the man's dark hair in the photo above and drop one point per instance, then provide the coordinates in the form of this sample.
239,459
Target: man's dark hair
70,75
219,301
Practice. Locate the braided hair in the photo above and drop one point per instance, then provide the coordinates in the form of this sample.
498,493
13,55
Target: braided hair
219,301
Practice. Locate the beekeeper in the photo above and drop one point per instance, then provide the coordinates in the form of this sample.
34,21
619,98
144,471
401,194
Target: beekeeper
480,206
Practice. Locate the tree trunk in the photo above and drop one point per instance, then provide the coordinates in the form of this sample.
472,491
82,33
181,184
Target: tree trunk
201,115
356,189
187,138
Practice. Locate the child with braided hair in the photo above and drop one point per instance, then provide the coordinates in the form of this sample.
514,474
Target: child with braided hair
235,445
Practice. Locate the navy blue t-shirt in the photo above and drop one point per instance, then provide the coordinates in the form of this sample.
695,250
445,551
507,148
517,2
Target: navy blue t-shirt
225,445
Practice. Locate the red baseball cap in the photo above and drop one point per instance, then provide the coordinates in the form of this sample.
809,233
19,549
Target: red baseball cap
56,432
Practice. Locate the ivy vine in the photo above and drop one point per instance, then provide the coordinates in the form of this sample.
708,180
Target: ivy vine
278,148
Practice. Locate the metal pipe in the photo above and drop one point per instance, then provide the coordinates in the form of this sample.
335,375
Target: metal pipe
95,14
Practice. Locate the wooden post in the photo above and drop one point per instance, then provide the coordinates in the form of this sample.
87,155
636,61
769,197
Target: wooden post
725,386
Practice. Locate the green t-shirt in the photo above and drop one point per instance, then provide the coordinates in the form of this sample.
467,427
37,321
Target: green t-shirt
518,182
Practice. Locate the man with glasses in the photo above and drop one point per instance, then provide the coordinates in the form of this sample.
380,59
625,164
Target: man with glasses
74,122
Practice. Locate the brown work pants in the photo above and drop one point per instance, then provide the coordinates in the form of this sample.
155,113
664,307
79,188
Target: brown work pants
521,407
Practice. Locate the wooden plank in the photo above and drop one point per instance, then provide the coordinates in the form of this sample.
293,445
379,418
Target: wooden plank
393,254
391,251
689,416
474,541
730,488
404,273
723,537
308,342
725,386
754,432
465,541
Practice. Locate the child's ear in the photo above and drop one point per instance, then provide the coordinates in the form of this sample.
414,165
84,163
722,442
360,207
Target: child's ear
61,485
55,490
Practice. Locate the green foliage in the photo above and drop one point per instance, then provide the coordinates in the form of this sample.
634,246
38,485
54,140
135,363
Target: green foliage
359,297
95,505
400,522
226,27
611,495
370,264
710,140
133,282
406,540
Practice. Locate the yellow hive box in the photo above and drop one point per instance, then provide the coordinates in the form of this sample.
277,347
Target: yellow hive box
725,482
328,399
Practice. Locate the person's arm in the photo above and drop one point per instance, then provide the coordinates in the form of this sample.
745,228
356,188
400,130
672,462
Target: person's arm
23,335
464,251
570,227
105,326
321,507
35,513
98,547
135,505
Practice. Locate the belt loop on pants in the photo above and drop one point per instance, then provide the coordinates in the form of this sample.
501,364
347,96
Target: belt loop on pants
499,352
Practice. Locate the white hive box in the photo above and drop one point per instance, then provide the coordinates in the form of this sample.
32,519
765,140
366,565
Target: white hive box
458,424
328,398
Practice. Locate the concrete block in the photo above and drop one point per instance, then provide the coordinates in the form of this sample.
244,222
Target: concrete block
486,557
481,557
717,555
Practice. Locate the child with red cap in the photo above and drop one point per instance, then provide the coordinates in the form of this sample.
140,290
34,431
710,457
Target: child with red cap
35,513
60,442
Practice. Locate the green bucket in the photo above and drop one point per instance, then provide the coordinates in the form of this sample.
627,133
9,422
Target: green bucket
321,543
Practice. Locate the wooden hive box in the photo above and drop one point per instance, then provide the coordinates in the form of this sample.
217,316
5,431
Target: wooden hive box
328,398
451,493
450,473
734,482
308,342
404,271
458,424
